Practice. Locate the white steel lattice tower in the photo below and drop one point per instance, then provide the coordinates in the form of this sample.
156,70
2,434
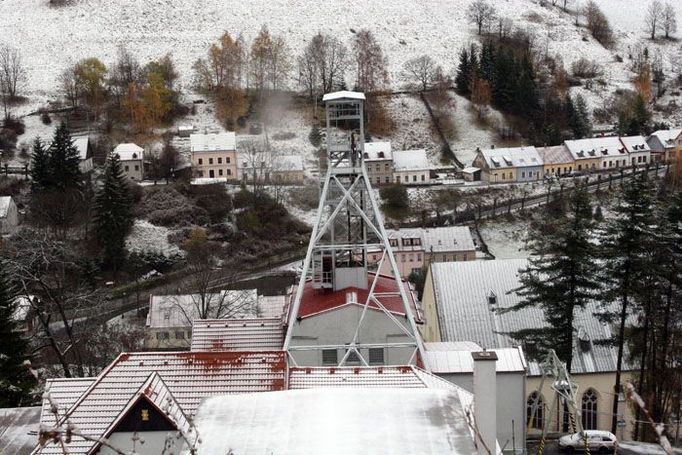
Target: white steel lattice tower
361,317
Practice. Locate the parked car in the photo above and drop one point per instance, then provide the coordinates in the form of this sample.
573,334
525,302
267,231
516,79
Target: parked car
574,174
597,440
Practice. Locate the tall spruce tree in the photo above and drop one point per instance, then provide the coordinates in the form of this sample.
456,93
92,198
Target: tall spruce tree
40,165
625,244
560,277
113,213
15,380
578,117
64,160
464,73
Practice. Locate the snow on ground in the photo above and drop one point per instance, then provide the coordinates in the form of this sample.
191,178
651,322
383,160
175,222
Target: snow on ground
412,126
146,237
505,239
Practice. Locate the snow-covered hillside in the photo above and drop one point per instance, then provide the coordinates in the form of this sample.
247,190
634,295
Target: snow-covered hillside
50,38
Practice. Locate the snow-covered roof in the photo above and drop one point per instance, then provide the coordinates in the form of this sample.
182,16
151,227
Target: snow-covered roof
410,160
64,393
81,144
213,142
343,94
336,421
5,202
635,144
284,163
667,137
442,358
435,240
470,170
22,307
188,376
499,158
557,154
597,147
181,310
463,293
18,429
129,152
258,334
377,151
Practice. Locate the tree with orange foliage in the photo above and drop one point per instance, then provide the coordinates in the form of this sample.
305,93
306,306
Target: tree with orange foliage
642,82
480,96
134,108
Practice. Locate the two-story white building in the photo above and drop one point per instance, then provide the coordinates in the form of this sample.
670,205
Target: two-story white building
411,167
132,160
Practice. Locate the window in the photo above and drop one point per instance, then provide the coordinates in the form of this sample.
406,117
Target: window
220,160
503,176
393,242
411,258
162,335
386,167
388,179
229,172
535,411
329,357
419,257
580,167
137,168
376,356
179,335
378,180
523,175
603,164
402,258
407,242
416,242
589,408
210,161
201,161
220,172
378,167
227,160
423,178
397,179
126,168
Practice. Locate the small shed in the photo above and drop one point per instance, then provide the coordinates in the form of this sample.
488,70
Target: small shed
471,174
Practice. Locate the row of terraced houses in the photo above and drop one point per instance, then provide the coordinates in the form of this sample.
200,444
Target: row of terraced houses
525,164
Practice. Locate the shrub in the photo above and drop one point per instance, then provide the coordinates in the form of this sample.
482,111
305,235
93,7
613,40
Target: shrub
306,198
585,68
396,202
15,124
315,136
45,118
166,206
214,200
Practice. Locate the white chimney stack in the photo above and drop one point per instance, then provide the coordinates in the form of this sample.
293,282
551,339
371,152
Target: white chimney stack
485,401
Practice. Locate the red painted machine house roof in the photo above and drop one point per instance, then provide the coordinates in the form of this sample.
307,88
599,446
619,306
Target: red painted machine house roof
316,301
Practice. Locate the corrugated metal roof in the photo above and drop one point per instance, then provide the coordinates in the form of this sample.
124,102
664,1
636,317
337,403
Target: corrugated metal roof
188,376
442,359
237,335
16,424
360,377
462,291
214,142
410,160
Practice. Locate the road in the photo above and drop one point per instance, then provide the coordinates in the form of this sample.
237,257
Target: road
625,448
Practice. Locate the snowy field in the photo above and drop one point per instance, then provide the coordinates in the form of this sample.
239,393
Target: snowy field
146,237
51,38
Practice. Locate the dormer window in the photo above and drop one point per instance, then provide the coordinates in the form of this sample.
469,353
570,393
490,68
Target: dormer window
381,155
134,156
366,155
492,297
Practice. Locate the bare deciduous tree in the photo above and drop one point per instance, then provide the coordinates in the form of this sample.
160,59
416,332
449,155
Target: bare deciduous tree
598,24
653,18
322,65
481,13
12,75
669,20
371,73
420,71
68,81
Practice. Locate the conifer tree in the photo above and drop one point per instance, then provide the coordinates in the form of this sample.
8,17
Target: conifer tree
64,160
487,64
579,118
113,213
463,78
625,244
560,277
15,380
40,165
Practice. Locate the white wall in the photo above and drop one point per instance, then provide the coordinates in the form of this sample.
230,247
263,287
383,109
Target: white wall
154,442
